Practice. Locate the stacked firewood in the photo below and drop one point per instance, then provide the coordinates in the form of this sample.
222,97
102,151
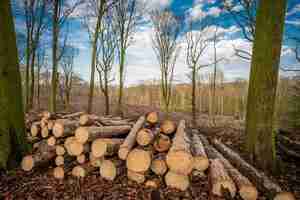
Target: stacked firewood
153,152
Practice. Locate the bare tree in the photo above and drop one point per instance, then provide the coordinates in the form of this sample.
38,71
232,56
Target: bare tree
98,10
35,15
61,12
41,62
165,45
105,58
125,20
67,63
196,45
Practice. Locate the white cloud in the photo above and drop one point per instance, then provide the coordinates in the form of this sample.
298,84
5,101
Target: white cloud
293,22
197,12
294,10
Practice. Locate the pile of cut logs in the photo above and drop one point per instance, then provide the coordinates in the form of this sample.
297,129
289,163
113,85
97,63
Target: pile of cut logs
79,143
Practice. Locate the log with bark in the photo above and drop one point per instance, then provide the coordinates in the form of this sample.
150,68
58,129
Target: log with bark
45,132
168,127
135,176
177,181
152,183
159,165
220,181
109,169
145,136
64,128
91,133
152,117
35,129
201,162
179,158
246,189
42,156
162,143
139,160
263,182
105,146
130,140
83,170
72,115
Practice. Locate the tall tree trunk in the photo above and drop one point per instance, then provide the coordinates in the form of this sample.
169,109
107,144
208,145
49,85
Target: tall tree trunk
54,79
263,82
214,106
94,54
106,95
38,82
31,97
12,135
27,69
121,81
194,73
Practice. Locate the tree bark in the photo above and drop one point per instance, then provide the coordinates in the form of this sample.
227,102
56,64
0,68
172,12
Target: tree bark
130,139
54,78
179,158
94,53
263,182
220,180
12,137
201,162
263,82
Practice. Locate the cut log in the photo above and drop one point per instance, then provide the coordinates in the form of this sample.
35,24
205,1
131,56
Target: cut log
96,162
86,120
153,183
162,143
220,181
130,140
81,159
45,132
105,146
76,148
144,137
138,160
50,124
177,181
82,135
152,117
69,140
59,160
201,162
136,177
58,173
44,122
43,155
246,189
179,158
168,127
263,182
108,170
60,150
94,132
47,115
35,129
285,196
159,165
64,127
51,141
81,171
72,115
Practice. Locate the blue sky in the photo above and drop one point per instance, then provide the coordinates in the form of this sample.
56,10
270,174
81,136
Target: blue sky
141,63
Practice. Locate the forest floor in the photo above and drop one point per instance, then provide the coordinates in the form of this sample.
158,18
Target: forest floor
40,184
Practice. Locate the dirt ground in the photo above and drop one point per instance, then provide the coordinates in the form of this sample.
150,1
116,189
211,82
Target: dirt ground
40,183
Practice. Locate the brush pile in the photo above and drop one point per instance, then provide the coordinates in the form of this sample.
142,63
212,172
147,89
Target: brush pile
153,152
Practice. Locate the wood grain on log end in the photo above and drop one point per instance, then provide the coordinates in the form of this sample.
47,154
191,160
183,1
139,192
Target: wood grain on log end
137,177
152,117
78,171
177,181
108,170
138,160
168,127
82,135
58,173
285,196
27,163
